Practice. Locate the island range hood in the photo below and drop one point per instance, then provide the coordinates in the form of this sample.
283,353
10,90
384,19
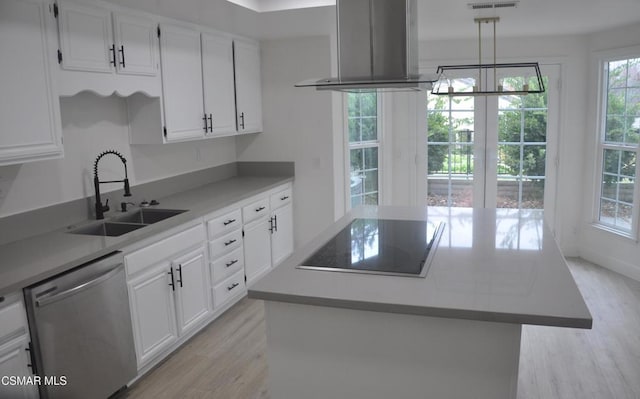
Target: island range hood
377,48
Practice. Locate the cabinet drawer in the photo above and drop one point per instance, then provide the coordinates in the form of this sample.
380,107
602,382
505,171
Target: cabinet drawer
163,249
12,320
224,224
255,210
225,244
280,198
227,265
229,288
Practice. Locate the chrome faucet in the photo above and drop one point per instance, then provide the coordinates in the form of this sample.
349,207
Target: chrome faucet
101,209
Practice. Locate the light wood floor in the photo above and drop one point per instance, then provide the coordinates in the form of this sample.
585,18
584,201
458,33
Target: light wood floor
226,360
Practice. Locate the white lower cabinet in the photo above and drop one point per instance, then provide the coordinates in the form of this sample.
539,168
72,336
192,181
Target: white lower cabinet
282,234
268,240
14,345
169,291
189,275
153,313
192,290
224,230
257,248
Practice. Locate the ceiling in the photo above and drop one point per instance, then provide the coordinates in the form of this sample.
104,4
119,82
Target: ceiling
451,19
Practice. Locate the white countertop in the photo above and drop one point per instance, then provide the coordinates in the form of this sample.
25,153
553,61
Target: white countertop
492,265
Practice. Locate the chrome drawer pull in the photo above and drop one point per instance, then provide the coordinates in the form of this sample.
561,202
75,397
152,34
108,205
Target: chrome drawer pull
232,286
284,198
228,221
260,209
229,242
233,262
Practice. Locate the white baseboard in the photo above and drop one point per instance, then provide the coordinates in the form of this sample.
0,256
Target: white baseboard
606,260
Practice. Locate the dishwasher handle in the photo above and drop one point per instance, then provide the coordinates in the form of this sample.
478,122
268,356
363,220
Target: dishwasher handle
43,301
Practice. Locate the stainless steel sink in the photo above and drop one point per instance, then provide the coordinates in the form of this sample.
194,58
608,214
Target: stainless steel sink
108,229
127,223
149,215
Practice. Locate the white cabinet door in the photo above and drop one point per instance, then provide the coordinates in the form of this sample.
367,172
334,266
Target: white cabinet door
135,45
282,237
217,74
86,39
153,312
181,82
193,290
13,362
257,249
248,86
30,110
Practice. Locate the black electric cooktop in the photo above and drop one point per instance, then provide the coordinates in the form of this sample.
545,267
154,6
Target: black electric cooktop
379,246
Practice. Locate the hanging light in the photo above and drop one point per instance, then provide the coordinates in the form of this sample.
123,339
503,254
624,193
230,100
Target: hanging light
528,70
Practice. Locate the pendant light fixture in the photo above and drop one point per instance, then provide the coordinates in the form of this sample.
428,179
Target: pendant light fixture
505,76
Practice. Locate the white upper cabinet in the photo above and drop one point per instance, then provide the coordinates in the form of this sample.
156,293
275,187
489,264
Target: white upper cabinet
30,111
86,38
248,86
106,51
135,44
219,93
182,90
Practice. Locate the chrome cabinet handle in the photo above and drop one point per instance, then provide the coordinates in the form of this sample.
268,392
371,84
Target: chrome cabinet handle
232,286
113,53
206,125
262,208
228,222
233,262
229,242
210,123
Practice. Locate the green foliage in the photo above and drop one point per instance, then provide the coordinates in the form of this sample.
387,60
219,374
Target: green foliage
438,128
623,118
362,116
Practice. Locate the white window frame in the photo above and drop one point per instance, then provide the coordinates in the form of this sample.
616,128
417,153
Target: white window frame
602,59
348,147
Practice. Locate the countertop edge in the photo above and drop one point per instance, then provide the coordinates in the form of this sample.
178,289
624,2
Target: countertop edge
510,318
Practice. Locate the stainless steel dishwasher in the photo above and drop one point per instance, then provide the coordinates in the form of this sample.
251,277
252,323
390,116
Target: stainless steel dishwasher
80,328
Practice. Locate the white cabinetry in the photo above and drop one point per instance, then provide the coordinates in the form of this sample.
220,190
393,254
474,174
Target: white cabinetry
30,111
224,229
282,226
219,93
211,87
181,83
268,232
106,51
248,86
14,345
135,44
169,291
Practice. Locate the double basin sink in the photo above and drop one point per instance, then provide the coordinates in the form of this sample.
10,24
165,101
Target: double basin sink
128,223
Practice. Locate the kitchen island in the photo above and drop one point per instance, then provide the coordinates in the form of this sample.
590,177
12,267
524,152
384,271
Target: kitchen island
452,334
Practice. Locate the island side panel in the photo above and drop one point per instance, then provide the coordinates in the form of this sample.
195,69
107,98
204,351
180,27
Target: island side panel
316,352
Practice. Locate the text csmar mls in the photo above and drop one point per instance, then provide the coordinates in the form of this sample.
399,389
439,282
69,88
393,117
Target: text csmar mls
13,380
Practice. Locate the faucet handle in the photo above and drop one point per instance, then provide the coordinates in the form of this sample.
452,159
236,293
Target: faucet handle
105,207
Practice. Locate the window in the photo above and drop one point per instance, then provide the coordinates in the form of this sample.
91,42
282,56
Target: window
364,145
618,145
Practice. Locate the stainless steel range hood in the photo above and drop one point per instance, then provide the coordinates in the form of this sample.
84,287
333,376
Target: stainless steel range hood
377,48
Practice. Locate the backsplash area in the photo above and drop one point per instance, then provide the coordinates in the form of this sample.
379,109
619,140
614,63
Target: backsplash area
92,124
